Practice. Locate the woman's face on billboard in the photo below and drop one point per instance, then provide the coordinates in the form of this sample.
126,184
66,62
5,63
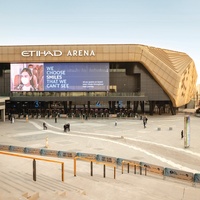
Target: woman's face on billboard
25,78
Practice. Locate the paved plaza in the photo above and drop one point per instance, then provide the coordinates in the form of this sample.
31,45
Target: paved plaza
159,143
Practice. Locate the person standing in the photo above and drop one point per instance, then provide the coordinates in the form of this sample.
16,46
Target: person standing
12,119
65,128
182,134
56,118
44,126
145,121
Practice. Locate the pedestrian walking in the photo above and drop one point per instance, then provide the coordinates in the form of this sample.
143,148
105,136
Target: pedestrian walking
145,121
9,117
13,119
116,123
68,126
44,126
65,127
182,134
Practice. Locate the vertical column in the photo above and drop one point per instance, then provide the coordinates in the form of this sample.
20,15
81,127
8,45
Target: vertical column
128,104
151,107
110,105
186,131
65,107
142,106
113,106
173,109
3,115
136,106
1,118
70,105
88,106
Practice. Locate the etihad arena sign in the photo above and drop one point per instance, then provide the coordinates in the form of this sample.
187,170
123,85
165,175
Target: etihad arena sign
58,53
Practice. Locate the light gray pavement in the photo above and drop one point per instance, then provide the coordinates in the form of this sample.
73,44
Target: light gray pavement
128,140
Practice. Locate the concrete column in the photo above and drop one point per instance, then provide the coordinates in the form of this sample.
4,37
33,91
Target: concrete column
3,115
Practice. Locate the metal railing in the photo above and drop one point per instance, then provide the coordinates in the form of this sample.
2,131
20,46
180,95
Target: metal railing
135,167
78,94
91,165
34,162
100,159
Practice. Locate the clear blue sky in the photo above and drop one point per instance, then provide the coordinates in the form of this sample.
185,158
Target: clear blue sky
171,24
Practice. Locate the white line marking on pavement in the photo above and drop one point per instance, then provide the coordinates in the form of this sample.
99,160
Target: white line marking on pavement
162,159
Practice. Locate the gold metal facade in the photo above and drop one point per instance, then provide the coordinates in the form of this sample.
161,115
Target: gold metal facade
174,71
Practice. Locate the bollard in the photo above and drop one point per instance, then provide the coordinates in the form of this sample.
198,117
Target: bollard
47,143
26,118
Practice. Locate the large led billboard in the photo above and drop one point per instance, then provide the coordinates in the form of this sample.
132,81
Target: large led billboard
59,76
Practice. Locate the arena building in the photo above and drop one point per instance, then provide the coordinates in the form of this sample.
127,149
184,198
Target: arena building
40,80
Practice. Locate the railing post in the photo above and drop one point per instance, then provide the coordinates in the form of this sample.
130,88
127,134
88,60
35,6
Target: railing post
62,173
128,167
114,172
134,169
91,166
140,170
104,170
34,170
145,171
74,166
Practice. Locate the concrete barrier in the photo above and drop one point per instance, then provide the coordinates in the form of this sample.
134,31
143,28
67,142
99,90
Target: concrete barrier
197,178
179,174
107,159
87,156
16,149
33,151
153,168
4,147
125,161
64,154
46,152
